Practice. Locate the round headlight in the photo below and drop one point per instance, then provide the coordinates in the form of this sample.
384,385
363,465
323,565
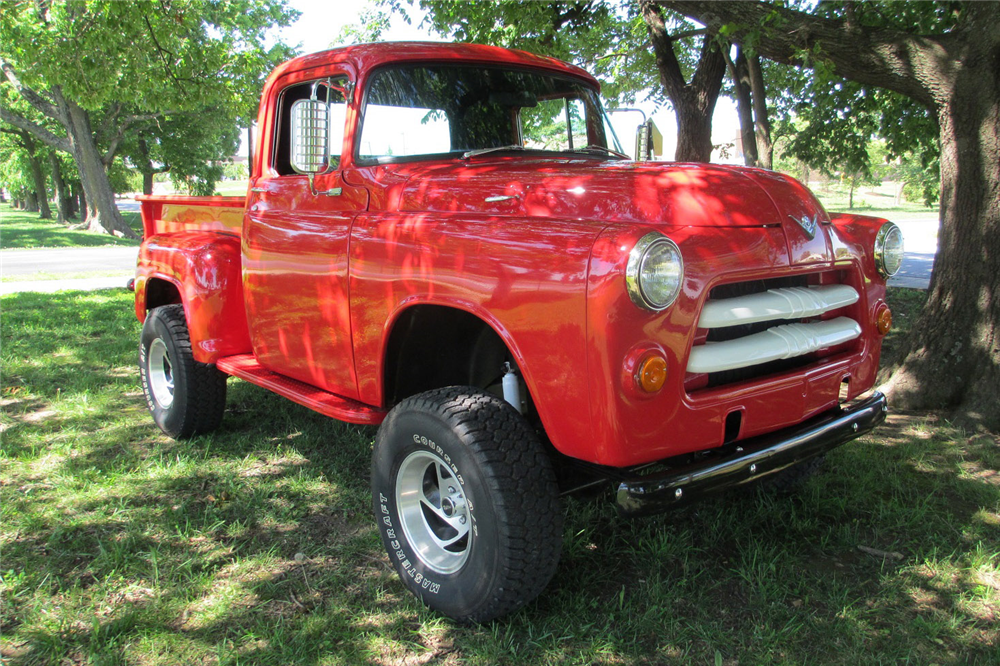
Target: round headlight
654,272
889,249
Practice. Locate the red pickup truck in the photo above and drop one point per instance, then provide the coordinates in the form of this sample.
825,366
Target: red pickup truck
448,240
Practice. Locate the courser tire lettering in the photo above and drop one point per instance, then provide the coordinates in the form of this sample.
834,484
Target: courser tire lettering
466,503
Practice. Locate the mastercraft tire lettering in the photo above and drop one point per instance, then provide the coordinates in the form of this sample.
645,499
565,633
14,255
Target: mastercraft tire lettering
466,503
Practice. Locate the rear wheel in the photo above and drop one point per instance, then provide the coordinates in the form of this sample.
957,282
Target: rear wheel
466,503
184,397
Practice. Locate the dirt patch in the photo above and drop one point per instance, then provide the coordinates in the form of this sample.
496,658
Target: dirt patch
30,411
272,467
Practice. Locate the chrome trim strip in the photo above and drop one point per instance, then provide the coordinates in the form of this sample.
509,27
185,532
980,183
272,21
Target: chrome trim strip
780,342
786,303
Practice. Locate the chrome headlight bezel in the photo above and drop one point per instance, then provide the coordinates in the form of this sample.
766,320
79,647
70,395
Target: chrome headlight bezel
637,265
885,233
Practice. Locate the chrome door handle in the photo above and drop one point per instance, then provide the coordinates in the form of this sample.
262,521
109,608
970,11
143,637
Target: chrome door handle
257,189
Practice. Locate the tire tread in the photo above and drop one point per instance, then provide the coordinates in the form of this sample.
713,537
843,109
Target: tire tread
519,473
205,402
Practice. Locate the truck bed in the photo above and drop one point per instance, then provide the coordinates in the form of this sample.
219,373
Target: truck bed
167,214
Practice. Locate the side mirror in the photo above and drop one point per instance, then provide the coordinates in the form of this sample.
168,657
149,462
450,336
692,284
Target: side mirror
648,141
643,139
310,152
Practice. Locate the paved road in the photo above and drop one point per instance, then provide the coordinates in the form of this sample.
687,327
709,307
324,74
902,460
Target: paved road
68,260
920,244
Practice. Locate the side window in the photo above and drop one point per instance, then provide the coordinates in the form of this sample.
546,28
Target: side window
332,89
557,123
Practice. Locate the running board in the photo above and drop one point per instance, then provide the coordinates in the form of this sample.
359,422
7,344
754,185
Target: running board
246,367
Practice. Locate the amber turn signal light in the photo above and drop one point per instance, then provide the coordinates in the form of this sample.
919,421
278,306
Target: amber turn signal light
883,320
652,374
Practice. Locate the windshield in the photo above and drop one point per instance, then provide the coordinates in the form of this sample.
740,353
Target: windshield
414,112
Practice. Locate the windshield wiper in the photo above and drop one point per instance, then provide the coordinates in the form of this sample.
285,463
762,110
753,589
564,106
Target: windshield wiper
594,148
495,149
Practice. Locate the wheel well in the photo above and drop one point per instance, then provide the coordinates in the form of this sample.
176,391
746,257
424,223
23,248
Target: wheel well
433,346
161,292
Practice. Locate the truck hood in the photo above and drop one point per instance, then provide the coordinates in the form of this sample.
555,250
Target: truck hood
659,194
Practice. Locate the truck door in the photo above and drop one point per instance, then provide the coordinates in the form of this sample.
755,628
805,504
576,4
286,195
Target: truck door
295,252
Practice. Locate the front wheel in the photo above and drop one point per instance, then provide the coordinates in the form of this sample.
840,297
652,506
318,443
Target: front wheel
184,397
466,503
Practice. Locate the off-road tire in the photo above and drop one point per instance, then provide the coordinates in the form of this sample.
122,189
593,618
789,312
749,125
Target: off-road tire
185,397
505,487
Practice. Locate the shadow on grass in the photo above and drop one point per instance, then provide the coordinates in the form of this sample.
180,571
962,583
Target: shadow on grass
254,544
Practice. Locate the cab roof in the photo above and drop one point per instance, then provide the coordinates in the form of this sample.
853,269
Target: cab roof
364,57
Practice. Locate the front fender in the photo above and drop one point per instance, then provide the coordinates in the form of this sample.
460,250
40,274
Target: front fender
525,279
205,268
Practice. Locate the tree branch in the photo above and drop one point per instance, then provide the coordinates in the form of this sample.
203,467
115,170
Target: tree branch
43,135
907,64
126,122
711,69
41,104
163,53
109,120
663,49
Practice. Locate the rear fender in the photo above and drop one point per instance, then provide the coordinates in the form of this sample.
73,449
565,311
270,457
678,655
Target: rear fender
205,269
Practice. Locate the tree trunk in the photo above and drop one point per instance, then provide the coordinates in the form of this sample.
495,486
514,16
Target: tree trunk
63,206
146,167
954,352
762,123
250,148
744,107
694,133
694,102
31,202
102,212
81,202
37,177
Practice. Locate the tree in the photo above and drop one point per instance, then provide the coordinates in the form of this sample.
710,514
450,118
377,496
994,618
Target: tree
694,101
38,196
832,122
100,68
188,146
633,48
943,56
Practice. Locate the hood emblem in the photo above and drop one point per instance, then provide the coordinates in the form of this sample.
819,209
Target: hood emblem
808,224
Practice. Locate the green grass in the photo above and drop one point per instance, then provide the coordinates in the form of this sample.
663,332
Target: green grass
877,201
232,188
254,545
25,230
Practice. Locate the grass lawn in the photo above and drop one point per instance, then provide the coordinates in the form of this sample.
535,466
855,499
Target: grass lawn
878,201
255,545
23,230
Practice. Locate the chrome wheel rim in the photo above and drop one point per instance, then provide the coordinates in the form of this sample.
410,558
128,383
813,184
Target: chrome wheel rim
161,374
433,512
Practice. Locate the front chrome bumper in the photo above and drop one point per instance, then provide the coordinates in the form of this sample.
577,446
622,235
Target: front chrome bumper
751,459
